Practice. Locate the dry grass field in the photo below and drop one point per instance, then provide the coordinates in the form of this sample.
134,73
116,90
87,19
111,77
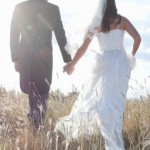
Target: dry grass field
16,132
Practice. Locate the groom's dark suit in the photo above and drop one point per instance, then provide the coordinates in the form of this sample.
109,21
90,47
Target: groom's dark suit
31,45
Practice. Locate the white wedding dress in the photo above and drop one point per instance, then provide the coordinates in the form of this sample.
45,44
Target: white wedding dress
100,106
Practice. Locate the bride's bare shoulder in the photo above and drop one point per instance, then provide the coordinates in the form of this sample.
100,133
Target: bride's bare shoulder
124,20
127,23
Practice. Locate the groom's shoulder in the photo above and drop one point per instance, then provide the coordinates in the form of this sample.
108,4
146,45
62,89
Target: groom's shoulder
21,4
54,6
42,3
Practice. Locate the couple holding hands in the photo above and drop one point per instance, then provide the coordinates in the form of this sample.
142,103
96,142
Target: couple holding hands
100,106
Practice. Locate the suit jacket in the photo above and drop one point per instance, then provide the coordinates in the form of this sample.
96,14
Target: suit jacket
31,42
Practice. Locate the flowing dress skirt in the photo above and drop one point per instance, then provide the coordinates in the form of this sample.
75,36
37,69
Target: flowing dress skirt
101,104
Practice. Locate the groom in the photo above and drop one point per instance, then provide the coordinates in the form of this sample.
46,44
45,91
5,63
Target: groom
31,51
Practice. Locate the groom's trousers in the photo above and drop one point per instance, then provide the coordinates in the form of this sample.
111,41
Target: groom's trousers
37,106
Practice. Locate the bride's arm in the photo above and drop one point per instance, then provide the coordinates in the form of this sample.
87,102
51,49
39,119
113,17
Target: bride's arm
134,34
80,52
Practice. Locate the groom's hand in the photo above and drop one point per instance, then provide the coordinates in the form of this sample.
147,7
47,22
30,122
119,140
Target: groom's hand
17,66
68,68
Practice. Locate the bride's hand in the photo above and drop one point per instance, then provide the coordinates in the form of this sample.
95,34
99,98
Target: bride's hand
68,68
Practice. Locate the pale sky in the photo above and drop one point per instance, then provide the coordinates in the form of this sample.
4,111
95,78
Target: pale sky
75,14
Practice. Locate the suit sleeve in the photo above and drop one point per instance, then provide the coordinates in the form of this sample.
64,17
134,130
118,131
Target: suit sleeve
14,36
60,36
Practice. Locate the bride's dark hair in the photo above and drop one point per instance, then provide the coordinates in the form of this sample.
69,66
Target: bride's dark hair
109,15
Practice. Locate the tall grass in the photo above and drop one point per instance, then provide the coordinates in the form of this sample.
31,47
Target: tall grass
17,134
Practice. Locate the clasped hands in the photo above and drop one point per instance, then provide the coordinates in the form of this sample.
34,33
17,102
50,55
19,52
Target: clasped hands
69,68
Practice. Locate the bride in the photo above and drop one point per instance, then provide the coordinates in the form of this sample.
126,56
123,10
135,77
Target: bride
100,106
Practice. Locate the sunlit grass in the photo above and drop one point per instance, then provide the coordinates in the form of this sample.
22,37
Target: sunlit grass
16,132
